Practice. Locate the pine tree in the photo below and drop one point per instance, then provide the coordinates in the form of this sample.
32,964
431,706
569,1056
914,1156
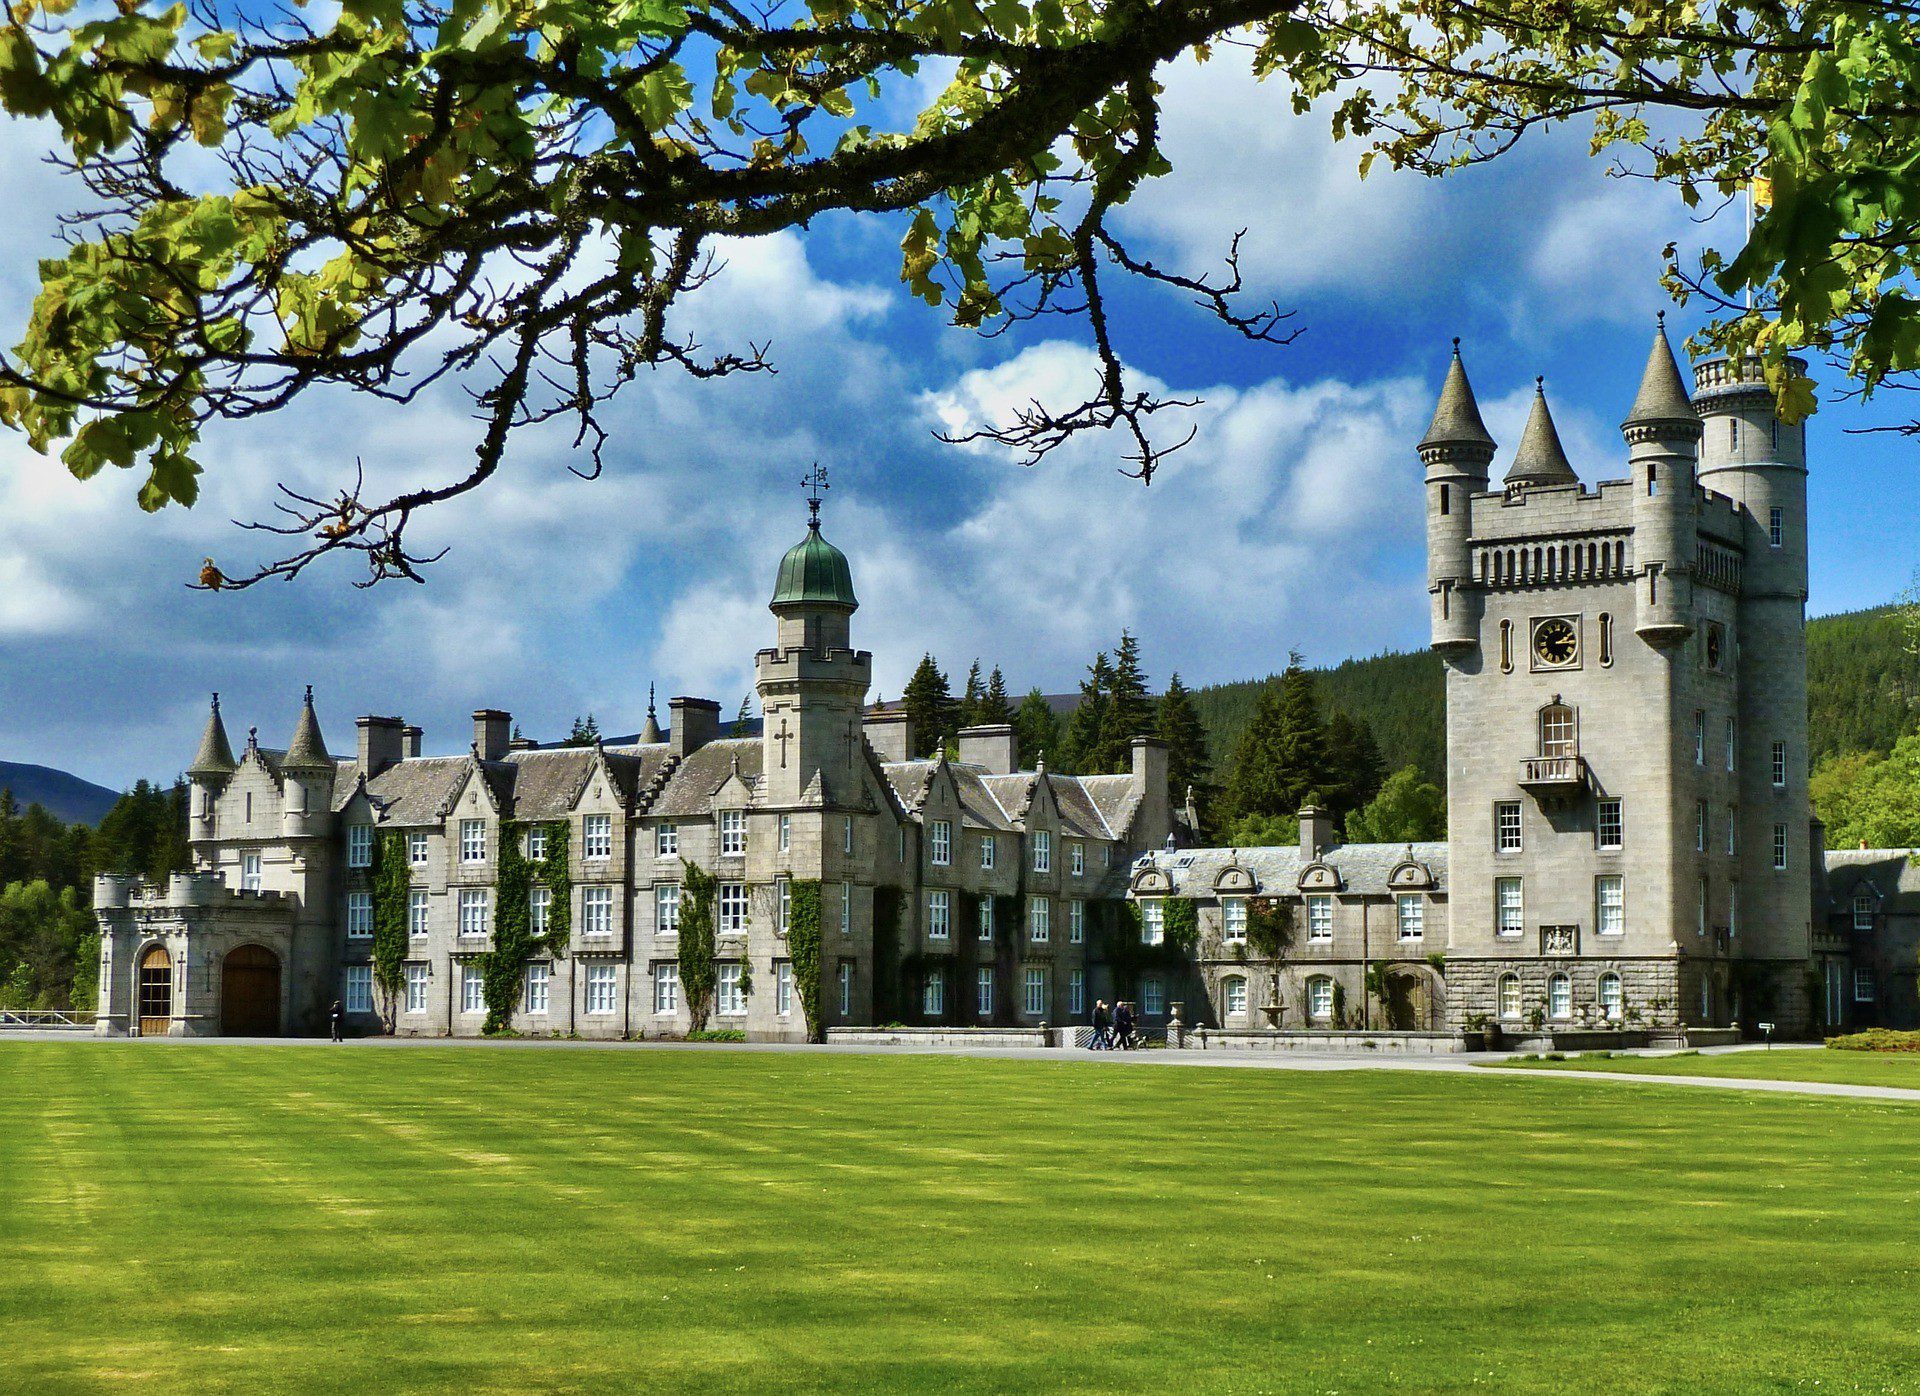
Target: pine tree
586,731
743,719
1355,769
994,706
1189,765
1080,745
929,706
1129,711
968,714
1281,760
1303,738
1036,729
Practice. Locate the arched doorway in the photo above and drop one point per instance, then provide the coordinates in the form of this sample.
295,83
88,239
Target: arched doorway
250,992
156,991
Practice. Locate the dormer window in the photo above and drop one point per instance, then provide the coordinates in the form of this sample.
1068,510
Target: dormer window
733,833
1863,905
473,840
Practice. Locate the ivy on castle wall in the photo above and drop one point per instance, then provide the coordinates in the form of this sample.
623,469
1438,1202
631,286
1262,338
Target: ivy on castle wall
1271,924
392,882
803,945
697,974
504,968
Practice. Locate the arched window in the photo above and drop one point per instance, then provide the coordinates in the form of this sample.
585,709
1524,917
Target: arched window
1606,638
1560,997
1506,647
1612,1001
1556,730
1319,997
1234,995
1509,996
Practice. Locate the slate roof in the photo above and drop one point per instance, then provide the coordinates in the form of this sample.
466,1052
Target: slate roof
215,757
415,791
1891,872
977,803
1540,458
308,749
1456,417
693,782
1097,807
1363,867
1663,395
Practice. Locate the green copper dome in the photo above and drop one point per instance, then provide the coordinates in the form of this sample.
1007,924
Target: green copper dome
814,572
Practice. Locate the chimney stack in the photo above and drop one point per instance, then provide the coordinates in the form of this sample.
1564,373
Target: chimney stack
1316,831
492,729
890,734
383,743
695,722
410,741
992,746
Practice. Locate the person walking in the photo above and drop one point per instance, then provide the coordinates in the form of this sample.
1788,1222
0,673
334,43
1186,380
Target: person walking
1101,1041
336,1016
1123,1023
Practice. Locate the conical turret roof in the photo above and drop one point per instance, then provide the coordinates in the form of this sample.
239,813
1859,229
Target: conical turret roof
1456,417
1663,395
650,734
1541,460
215,757
308,749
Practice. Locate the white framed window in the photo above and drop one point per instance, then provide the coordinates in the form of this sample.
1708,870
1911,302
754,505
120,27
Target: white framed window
1320,997
1701,929
1731,742
733,832
1153,922
1779,765
1611,825
1779,848
1732,825
783,988
900,837
417,848
1506,826
1076,992
596,911
846,834
989,849
1863,983
359,992
1077,858
359,915
1320,917
1509,996
473,988
1233,920
250,871
1610,902
473,840
1412,910
783,904
539,908
596,838
1559,996
666,840
1036,987
1236,995
1700,827
537,843
939,914
984,930
1699,737
666,909
1776,525
732,998
1733,909
1042,851
416,976
983,992
666,989
1613,1001
846,988
417,912
1706,998
933,994
539,976
1509,912
1153,995
1039,919
1557,730
1863,908
1076,922
786,833
733,907
473,911
940,843
359,845
846,908
601,991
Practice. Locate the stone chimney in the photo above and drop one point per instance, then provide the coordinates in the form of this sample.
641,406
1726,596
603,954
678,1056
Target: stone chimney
890,734
410,742
383,743
992,746
1149,764
695,722
1316,831
492,730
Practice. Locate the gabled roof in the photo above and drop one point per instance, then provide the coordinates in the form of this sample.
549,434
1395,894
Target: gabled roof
691,787
1116,798
1891,874
415,791
1077,809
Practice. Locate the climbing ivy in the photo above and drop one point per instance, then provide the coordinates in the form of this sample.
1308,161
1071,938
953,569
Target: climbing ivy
1270,926
392,881
1182,924
803,944
504,968
696,943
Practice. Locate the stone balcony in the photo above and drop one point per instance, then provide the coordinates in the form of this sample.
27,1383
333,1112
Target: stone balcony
1553,775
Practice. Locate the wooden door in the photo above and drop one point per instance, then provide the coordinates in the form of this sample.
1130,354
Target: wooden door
156,992
250,992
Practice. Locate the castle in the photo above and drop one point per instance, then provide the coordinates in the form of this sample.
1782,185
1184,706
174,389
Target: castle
1631,845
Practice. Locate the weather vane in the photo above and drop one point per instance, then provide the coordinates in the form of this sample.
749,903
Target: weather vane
815,481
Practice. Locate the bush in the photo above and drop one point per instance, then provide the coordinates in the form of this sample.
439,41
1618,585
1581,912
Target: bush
1877,1040
717,1035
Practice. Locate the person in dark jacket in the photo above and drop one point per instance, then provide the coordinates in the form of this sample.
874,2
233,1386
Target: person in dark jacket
1102,1032
1123,1023
336,1015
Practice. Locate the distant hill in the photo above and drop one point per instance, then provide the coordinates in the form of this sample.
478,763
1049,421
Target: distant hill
67,798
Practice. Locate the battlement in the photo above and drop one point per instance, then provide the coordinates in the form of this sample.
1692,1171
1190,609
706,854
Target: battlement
180,892
1724,376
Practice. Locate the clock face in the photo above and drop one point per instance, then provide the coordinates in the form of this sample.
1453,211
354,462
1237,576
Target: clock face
1556,644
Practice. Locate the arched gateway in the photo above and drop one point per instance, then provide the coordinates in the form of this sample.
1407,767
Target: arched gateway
250,992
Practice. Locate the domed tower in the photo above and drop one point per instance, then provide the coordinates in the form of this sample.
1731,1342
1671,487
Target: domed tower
307,777
1662,431
1457,452
213,766
812,683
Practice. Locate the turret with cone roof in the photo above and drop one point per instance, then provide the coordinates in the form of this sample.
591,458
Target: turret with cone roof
1456,427
308,749
1663,401
650,734
214,760
1540,459
1456,451
1662,431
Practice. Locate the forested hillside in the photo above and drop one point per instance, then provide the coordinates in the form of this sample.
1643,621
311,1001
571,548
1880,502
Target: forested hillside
1863,683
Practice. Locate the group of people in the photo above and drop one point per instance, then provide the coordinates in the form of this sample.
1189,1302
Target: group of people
1113,1029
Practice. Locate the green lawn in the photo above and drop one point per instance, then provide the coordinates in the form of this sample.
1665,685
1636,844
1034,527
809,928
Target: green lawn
1796,1064
201,1218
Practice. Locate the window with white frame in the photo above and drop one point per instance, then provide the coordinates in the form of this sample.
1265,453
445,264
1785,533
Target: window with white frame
1076,992
1732,825
1508,911
250,871
1779,765
1863,983
1236,995
939,914
417,848
359,915
473,840
1506,826
601,992
1863,907
1319,917
1153,995
596,911
1611,825
940,843
359,994
1701,929
733,907
983,992
473,911
666,989
1076,922
782,905
473,988
933,994
1610,903
1559,997
1613,1000
1036,986
1776,525
1153,922
359,845
1077,858
539,909
417,912
984,930
1731,763
1509,996
1700,826
1699,737
846,908
1779,848
732,997
733,832
666,840
1233,920
1042,851
1319,997
538,977
846,834
786,833
783,988
416,976
537,843
1733,909
989,849
900,837
846,988
1412,909
596,838
1556,730
666,908
1039,919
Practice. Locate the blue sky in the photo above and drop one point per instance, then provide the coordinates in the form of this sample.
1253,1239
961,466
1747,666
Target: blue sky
1292,522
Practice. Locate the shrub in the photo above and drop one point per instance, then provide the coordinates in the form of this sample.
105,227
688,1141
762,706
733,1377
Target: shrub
1877,1040
717,1035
